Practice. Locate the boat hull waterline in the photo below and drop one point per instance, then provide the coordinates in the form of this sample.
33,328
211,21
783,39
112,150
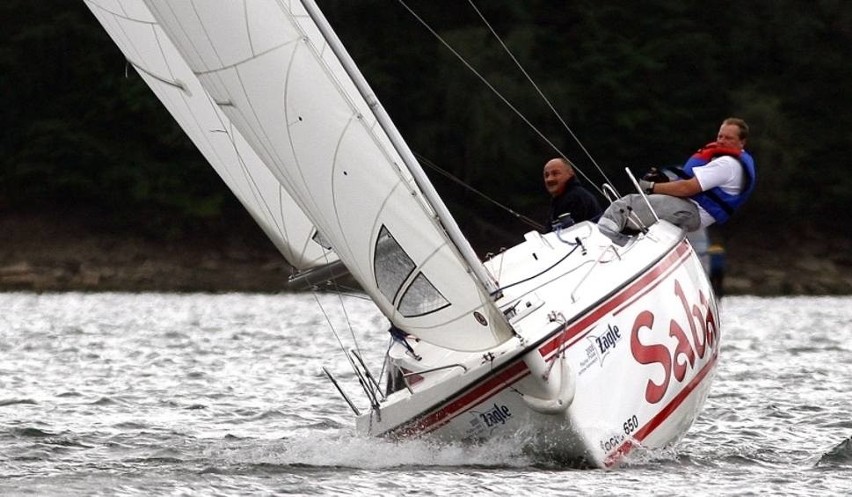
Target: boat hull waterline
640,363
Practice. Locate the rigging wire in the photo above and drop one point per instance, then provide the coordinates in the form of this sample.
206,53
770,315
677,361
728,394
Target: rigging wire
331,326
486,82
338,290
368,389
542,95
346,315
533,224
499,95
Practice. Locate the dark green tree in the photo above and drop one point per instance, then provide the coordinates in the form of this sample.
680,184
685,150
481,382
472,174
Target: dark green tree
640,84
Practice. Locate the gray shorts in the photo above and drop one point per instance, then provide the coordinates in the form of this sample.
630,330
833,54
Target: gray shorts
679,211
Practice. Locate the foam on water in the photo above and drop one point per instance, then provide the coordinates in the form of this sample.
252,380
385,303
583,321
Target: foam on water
346,450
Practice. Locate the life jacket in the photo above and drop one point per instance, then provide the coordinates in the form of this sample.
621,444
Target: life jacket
715,201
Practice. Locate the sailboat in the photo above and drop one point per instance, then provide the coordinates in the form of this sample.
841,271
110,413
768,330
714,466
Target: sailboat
565,343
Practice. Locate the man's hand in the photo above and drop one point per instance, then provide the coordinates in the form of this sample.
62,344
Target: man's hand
646,186
655,175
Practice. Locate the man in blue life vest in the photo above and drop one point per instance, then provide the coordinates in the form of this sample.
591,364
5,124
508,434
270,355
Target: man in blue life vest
712,184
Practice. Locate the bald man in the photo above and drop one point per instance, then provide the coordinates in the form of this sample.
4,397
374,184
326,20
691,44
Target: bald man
567,195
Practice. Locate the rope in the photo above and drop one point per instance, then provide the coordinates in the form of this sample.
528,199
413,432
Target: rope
510,285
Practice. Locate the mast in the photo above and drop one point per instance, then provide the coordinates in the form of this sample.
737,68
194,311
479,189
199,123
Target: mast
444,216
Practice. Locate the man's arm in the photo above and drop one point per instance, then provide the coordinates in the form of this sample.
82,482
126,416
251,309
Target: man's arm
679,188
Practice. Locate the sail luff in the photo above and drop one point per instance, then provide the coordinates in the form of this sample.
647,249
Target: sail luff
447,220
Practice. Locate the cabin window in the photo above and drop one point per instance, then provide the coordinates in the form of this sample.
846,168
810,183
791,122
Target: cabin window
421,298
320,240
392,265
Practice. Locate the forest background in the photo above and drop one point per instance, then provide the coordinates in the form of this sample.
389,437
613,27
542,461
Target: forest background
101,190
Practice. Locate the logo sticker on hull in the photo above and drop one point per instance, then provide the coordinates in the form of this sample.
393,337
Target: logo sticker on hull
482,421
497,415
599,347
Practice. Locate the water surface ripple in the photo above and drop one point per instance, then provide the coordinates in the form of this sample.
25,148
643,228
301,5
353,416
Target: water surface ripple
162,394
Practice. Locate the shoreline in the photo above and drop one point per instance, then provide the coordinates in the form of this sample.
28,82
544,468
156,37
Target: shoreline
43,254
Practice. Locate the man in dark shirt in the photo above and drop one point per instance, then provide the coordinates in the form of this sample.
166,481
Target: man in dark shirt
568,196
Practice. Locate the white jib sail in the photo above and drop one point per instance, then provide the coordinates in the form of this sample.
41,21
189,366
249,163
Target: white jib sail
132,27
270,71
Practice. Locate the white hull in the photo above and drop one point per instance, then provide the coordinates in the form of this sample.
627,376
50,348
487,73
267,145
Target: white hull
640,347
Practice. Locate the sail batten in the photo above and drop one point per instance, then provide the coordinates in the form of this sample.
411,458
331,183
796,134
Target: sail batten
171,82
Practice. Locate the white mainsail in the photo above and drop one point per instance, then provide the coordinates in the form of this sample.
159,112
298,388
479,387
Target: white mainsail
267,66
145,45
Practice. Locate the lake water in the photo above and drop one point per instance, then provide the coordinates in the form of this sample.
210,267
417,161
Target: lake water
160,394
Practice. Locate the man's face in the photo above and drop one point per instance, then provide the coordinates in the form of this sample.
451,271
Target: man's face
556,174
729,137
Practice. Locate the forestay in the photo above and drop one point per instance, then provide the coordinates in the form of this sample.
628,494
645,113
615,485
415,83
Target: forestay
268,68
146,47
